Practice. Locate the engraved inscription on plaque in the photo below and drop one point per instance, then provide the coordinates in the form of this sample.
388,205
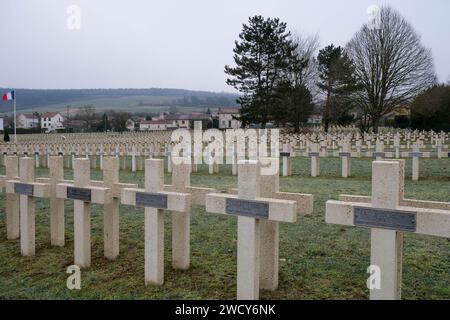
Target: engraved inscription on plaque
313,154
385,219
23,188
344,154
248,208
378,154
75,193
285,154
152,200
415,154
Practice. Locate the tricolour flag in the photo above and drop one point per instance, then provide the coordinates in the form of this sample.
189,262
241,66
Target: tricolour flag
8,96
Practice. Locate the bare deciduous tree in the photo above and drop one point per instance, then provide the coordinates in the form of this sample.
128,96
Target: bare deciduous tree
119,120
307,47
87,114
392,65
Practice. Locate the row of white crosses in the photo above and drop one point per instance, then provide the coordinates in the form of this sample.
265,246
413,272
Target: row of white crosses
388,216
258,204
156,197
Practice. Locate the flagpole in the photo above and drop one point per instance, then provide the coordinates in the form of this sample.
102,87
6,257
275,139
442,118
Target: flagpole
15,118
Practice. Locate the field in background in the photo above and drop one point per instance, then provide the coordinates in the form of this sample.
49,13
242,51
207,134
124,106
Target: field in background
317,260
150,104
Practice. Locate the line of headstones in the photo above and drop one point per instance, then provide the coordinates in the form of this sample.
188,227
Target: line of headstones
256,202
345,153
138,152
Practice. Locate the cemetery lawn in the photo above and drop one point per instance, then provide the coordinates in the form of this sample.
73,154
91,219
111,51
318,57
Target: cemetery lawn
317,260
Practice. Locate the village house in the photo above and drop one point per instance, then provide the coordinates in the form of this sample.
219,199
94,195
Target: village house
186,121
227,118
157,125
27,121
52,121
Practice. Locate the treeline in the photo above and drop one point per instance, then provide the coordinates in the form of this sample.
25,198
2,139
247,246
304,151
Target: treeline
30,98
209,101
431,110
283,77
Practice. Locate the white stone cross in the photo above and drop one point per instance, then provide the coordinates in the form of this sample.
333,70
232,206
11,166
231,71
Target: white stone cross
83,193
12,200
403,201
315,159
345,155
269,234
111,209
286,159
56,175
250,208
181,220
27,189
388,220
379,153
415,155
155,201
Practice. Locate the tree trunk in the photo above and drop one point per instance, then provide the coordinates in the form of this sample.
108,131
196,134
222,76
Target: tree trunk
326,124
375,122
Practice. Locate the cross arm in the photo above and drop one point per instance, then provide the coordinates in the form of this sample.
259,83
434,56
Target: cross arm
175,201
305,202
383,154
412,154
92,194
198,194
48,180
35,189
403,202
260,208
432,222
43,180
344,154
117,188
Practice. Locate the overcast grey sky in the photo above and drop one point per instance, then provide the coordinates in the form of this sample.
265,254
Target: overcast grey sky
174,44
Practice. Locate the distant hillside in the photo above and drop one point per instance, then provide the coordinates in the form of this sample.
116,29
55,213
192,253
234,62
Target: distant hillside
132,100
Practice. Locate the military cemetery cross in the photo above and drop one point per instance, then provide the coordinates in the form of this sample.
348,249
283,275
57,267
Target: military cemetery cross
56,175
111,209
345,155
403,202
181,220
83,193
285,155
27,190
155,201
12,199
250,208
416,154
388,220
269,230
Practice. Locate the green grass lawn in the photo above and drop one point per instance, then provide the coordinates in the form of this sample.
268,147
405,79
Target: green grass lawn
317,260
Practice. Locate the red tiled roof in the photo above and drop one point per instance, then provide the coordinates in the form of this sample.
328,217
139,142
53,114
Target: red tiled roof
49,114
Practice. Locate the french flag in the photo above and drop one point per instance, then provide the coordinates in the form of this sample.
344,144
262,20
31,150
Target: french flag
8,96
